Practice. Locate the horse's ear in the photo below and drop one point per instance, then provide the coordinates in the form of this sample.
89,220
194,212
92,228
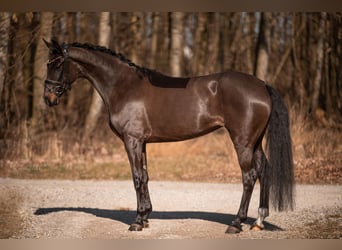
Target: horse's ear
49,45
53,46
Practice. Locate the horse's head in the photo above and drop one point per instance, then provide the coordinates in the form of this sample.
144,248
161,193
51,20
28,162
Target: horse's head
61,72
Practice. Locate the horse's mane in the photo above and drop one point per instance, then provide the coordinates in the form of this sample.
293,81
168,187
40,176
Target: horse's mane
154,77
140,70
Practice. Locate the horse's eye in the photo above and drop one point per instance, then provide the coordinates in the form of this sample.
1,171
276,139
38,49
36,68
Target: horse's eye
59,91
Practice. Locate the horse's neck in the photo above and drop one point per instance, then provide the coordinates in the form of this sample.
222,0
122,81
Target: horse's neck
101,70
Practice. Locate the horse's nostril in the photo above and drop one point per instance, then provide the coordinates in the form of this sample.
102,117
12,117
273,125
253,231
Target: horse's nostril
56,102
47,101
50,103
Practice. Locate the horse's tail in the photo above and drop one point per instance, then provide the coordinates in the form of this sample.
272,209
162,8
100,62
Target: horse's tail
279,148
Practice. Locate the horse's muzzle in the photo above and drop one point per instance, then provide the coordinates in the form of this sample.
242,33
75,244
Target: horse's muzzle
51,100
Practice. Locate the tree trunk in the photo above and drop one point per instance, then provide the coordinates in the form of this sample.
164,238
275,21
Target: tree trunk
164,52
40,59
262,48
296,33
319,64
154,38
249,43
232,39
177,22
31,24
198,51
136,37
5,21
213,43
97,103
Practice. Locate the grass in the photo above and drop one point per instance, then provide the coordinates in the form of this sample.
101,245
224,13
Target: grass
70,171
317,152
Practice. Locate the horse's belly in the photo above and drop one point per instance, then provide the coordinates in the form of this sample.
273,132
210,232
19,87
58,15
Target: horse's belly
184,124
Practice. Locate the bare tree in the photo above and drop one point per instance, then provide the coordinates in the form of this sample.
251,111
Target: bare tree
154,38
319,62
248,37
97,103
177,22
136,37
213,43
4,40
262,47
232,34
199,44
40,59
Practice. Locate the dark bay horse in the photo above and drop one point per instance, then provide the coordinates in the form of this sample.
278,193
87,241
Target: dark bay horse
145,106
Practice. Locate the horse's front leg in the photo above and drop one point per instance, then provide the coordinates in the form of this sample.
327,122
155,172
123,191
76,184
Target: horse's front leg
136,150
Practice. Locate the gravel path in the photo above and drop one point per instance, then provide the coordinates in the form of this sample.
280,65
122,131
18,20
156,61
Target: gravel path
104,210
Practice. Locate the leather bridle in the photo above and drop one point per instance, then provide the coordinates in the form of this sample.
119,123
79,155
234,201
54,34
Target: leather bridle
60,86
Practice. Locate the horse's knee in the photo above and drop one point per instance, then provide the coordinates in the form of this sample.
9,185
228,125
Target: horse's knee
137,181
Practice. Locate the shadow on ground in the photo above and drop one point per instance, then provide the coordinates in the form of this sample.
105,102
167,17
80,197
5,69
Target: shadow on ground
127,216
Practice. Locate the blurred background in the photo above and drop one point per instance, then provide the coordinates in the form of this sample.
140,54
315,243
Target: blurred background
300,54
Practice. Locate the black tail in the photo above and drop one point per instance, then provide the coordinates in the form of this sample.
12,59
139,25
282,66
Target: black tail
279,149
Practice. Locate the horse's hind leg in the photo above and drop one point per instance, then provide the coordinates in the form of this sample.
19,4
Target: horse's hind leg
262,167
249,176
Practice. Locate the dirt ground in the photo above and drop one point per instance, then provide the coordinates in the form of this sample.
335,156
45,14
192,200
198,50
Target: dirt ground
65,209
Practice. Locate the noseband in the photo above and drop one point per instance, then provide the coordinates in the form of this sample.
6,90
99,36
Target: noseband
58,87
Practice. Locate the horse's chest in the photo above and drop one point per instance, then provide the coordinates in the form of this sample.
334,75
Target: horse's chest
131,119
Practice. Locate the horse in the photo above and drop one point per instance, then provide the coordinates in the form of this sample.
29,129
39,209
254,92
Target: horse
146,106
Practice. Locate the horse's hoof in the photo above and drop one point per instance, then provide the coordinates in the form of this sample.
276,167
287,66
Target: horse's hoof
256,227
146,224
233,230
135,227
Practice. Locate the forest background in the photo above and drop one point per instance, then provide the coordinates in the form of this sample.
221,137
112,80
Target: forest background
300,54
